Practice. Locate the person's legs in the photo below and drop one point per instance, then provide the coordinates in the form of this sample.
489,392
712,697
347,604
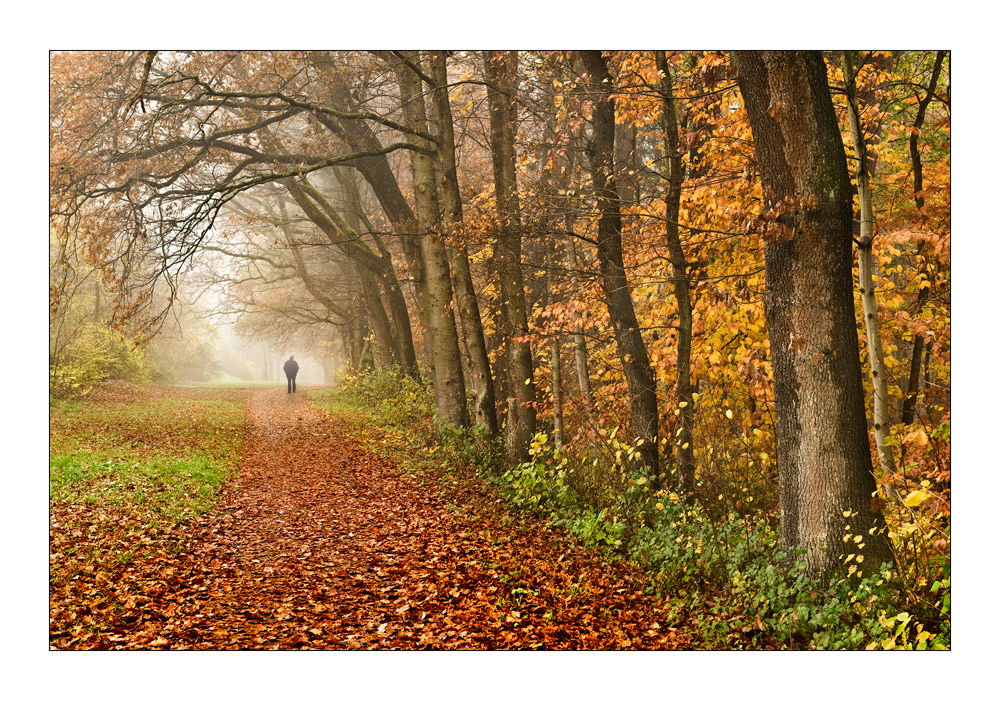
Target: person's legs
289,384
293,383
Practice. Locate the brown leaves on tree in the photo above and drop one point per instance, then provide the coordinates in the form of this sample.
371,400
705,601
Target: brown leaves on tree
320,544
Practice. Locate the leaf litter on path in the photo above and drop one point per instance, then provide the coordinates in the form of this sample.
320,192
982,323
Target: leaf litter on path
320,544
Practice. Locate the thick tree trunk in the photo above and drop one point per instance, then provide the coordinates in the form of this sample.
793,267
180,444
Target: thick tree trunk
449,382
682,290
501,69
824,461
480,377
867,272
631,347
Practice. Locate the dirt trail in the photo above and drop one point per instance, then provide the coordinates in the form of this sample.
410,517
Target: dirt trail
323,545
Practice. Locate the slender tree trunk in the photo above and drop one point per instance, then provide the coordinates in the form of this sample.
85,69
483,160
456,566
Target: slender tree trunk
682,290
501,70
867,273
480,376
449,383
913,381
384,341
631,346
554,353
824,460
356,311
579,340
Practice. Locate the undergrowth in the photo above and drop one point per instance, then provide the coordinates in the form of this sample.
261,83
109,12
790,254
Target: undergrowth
720,570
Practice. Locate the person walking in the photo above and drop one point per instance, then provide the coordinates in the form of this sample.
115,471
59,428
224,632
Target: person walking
291,370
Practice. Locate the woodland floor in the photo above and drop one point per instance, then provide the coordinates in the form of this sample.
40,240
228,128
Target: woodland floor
320,544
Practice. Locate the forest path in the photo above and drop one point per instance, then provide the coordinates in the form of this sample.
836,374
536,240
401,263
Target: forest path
324,545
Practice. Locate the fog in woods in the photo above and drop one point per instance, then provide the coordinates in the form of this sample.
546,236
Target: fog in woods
689,307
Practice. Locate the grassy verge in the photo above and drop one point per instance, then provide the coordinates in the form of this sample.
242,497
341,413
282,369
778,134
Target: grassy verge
162,456
127,475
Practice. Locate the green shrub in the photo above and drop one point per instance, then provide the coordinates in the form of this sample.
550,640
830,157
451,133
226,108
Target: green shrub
769,600
97,353
394,398
464,447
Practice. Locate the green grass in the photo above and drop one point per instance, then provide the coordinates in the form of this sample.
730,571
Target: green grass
169,486
163,457
335,402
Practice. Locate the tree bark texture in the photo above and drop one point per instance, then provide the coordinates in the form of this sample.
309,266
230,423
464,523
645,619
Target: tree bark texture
824,460
681,284
449,382
631,347
501,70
480,377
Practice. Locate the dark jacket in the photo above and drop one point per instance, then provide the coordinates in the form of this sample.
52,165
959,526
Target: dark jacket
291,368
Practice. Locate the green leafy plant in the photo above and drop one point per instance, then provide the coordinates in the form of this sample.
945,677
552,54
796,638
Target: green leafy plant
97,353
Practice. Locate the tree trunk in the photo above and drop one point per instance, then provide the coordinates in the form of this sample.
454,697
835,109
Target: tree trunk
569,223
480,377
579,340
501,69
384,340
356,330
631,347
626,167
682,291
554,352
449,383
867,272
913,381
824,460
